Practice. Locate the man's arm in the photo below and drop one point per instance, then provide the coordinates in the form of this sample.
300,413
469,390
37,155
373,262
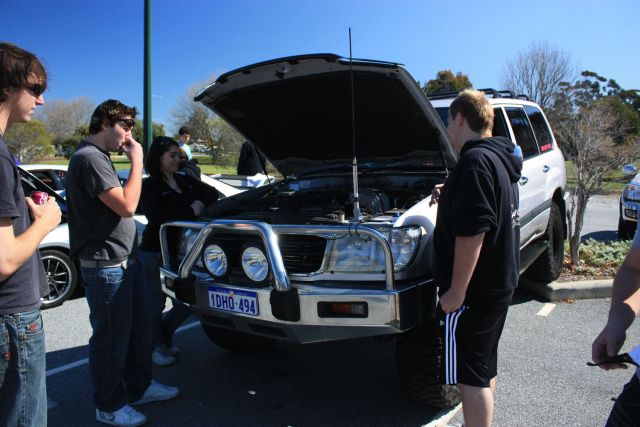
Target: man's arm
625,306
14,251
466,254
124,200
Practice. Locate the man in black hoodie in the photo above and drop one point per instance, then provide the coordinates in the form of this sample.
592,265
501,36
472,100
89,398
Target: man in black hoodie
476,247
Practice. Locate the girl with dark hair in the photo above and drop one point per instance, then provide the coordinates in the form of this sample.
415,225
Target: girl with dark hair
167,195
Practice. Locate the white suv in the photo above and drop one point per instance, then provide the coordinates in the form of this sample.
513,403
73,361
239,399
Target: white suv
542,186
298,259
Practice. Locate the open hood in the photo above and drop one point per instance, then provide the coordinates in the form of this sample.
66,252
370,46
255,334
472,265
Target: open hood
298,112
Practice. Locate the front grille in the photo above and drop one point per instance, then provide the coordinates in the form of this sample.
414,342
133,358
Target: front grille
302,254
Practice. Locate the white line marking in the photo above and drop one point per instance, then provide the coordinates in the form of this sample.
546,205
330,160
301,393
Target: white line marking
546,309
85,361
443,417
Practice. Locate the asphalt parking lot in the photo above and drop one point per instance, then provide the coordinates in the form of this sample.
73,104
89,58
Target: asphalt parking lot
543,378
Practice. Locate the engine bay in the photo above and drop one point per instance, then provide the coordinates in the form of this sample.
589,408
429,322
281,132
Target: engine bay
327,199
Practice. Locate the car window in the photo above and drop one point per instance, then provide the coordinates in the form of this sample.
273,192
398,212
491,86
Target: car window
540,128
443,112
522,131
499,124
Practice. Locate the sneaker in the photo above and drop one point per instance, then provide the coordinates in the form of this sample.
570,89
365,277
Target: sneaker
162,356
157,392
124,417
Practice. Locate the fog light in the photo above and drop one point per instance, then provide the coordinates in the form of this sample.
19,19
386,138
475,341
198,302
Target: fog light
630,213
255,264
215,260
343,309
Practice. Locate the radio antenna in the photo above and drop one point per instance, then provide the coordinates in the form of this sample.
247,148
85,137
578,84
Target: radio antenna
357,215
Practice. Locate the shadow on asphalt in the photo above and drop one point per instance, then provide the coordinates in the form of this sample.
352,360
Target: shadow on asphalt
340,383
601,236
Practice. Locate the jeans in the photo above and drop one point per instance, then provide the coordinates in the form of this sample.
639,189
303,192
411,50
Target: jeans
626,410
23,385
120,346
163,328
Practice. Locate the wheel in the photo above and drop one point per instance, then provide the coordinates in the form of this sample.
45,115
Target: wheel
419,354
548,266
238,342
626,229
62,276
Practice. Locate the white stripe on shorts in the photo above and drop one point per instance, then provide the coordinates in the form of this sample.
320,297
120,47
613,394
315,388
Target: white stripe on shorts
451,322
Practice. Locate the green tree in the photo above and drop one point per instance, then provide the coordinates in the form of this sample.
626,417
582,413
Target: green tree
157,129
446,81
30,141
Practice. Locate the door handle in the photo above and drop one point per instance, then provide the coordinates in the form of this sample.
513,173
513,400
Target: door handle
523,180
545,168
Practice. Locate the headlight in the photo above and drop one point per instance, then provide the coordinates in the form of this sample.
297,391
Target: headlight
254,264
187,240
215,259
631,192
363,254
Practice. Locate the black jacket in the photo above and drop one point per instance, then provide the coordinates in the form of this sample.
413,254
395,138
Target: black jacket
160,204
481,196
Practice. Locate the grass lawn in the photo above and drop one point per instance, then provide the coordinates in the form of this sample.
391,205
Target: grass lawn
615,180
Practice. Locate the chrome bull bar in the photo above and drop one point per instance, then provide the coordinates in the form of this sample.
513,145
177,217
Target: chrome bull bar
269,235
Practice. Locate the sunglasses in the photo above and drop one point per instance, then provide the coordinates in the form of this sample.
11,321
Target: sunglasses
621,358
125,123
37,89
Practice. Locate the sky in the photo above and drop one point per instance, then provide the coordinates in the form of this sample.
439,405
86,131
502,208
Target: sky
94,48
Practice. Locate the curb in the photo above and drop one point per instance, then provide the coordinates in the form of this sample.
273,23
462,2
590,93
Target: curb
556,291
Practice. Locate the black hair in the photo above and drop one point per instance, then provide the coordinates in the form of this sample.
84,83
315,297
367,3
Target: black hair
160,145
110,110
16,67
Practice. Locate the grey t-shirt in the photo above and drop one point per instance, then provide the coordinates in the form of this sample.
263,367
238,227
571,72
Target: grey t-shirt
21,292
96,232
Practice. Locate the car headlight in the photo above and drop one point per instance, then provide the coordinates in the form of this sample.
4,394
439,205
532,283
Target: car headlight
187,239
631,192
255,264
215,259
361,253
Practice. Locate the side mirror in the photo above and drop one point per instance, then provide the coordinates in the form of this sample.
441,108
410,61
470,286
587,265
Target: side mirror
629,169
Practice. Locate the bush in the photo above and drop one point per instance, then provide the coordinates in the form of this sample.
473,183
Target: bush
600,258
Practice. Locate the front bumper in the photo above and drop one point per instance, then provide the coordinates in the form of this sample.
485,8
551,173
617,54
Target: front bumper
629,210
388,312
293,311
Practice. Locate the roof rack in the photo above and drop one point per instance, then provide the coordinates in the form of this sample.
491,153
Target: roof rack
490,92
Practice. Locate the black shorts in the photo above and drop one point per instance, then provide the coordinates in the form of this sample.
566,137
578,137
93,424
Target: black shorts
471,336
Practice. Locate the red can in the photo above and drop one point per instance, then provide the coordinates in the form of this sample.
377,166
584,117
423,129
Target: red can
39,197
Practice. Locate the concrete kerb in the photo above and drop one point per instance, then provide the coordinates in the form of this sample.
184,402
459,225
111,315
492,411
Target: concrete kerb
556,291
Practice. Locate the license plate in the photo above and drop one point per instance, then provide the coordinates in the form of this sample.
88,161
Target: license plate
243,302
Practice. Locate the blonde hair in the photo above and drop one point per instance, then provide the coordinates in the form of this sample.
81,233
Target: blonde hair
475,108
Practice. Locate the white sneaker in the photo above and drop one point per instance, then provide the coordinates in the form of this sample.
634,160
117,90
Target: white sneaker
123,417
162,356
157,392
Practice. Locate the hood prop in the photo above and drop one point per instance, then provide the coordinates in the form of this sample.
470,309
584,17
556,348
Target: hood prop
357,214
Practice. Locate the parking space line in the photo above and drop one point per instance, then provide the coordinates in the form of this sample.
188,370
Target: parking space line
443,417
85,360
546,309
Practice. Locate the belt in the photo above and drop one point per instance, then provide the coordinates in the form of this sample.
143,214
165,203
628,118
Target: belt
103,263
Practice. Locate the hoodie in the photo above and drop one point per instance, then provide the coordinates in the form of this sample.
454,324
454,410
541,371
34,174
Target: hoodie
481,196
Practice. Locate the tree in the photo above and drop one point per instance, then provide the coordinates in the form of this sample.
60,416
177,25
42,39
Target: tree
62,118
29,141
157,129
227,142
191,113
446,81
538,72
588,138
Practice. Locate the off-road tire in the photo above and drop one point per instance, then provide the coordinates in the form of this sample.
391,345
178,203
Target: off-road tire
548,266
62,277
419,359
626,229
235,341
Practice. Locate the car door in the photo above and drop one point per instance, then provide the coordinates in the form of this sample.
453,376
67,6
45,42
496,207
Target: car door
533,210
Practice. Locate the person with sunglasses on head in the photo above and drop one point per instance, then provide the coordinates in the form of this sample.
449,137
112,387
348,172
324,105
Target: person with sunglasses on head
23,394
102,235
625,307
167,195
